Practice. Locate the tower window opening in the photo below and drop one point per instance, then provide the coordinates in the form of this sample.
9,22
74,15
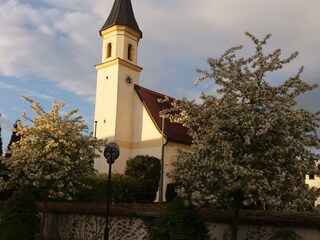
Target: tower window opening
109,50
130,52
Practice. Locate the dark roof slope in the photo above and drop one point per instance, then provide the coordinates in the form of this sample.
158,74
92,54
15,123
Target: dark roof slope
122,14
174,132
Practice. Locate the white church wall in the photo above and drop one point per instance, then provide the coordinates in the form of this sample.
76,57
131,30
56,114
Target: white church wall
106,102
144,128
120,37
125,108
146,138
313,181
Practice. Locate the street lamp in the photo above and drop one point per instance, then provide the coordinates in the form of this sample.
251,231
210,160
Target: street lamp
111,153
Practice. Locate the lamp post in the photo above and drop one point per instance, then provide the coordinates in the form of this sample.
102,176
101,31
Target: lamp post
111,153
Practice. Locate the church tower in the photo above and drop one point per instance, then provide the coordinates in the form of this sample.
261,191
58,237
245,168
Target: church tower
116,76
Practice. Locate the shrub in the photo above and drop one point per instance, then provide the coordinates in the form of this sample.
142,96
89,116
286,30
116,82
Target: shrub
19,217
146,170
5,194
179,222
140,183
96,190
123,189
170,192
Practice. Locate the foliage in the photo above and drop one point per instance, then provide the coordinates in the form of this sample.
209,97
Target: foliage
285,234
171,192
2,169
126,189
15,137
19,217
123,189
96,190
139,183
250,138
145,169
7,193
53,155
179,222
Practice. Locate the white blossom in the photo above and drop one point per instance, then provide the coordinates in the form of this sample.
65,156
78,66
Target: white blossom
250,138
54,154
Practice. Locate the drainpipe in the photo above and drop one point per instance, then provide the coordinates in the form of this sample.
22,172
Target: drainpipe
163,144
95,129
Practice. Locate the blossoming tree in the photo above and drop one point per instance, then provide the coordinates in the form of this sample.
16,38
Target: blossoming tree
53,154
251,144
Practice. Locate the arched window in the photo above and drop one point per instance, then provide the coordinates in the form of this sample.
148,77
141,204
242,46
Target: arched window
130,52
109,50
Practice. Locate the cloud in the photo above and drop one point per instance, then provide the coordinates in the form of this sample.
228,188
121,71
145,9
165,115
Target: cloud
185,33
48,48
58,40
51,43
22,91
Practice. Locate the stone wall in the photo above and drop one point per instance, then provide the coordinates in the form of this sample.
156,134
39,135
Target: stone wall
220,231
91,227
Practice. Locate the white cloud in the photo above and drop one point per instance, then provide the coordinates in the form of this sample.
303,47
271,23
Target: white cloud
58,40
49,43
194,30
22,91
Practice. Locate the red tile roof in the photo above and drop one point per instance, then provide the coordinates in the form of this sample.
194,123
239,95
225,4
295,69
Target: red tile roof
173,132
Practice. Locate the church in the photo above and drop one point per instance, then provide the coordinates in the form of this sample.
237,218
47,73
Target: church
125,112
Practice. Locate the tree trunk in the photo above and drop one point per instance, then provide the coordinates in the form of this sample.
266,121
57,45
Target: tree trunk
44,215
236,212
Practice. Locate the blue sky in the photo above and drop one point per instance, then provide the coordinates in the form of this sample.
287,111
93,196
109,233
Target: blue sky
48,48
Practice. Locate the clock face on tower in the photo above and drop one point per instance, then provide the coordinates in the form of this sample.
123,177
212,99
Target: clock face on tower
128,80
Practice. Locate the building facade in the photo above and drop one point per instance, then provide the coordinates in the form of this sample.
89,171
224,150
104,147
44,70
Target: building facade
125,112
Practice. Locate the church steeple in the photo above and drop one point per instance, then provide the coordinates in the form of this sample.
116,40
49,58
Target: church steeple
122,14
117,74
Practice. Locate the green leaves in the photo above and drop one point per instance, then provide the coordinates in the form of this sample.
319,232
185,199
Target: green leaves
19,217
146,170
